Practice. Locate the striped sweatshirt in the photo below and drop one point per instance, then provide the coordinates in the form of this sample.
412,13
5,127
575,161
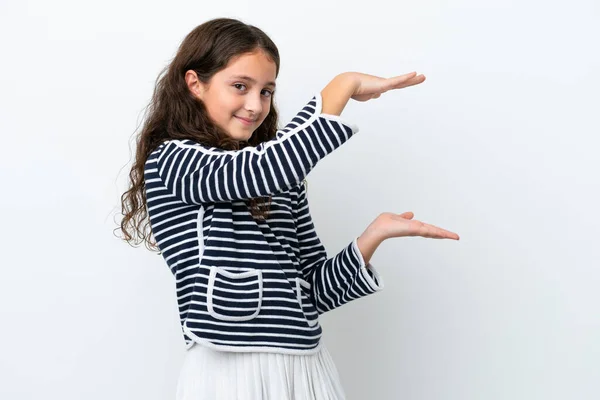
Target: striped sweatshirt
245,284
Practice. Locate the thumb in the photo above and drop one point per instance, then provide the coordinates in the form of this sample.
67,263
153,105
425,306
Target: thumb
407,215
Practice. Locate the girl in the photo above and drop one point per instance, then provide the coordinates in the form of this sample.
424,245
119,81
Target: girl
222,192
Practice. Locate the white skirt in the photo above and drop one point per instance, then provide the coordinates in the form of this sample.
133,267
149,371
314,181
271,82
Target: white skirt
223,375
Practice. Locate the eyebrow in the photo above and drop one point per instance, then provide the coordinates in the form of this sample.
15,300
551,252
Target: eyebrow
252,80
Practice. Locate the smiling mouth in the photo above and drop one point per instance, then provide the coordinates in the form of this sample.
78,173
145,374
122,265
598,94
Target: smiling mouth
245,121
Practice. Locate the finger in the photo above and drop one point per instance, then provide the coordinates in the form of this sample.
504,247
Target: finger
399,80
407,215
439,233
408,75
409,82
432,231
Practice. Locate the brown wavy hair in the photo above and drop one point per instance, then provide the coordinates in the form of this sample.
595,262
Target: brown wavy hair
174,113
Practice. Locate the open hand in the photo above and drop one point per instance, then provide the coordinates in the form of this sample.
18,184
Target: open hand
371,87
389,225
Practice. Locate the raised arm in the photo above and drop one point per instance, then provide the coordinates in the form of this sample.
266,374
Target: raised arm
197,174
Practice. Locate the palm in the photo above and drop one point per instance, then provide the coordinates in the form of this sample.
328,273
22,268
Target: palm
371,87
399,225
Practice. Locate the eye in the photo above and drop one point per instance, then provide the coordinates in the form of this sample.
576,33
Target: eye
239,86
267,93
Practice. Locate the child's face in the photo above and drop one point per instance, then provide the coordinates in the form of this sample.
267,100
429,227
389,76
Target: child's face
238,98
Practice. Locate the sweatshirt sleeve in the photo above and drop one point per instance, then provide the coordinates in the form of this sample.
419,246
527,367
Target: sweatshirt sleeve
197,174
333,281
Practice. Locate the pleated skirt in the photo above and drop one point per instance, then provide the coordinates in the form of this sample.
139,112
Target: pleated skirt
208,374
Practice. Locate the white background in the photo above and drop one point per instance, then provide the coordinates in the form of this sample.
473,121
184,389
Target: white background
499,144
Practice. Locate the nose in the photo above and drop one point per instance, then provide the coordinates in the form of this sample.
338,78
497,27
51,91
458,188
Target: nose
254,104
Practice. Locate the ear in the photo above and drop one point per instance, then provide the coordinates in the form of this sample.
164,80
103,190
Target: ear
195,86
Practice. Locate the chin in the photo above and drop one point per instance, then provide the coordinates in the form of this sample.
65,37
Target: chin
242,136
239,133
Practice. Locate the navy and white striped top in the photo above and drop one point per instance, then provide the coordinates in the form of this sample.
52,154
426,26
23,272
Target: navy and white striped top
244,284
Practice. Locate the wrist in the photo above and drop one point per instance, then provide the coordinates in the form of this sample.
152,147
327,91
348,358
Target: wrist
373,235
350,80
336,94
367,243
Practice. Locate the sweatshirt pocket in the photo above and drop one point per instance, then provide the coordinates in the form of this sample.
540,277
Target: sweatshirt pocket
234,294
303,296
